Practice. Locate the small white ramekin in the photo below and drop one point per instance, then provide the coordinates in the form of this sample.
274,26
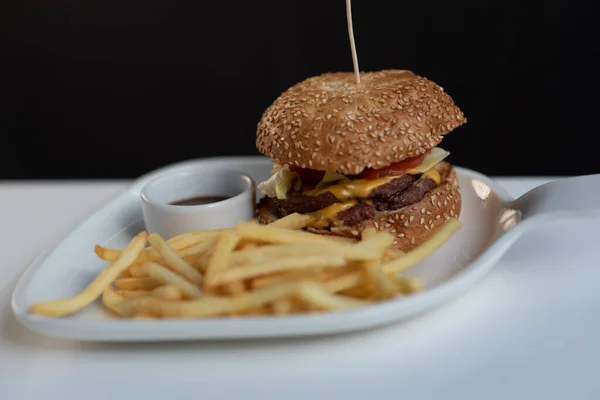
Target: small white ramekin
170,220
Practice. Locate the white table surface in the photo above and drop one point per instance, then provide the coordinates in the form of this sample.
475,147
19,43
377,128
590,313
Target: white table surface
544,342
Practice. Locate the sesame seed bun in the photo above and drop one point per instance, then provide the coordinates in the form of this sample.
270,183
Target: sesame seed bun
411,226
330,123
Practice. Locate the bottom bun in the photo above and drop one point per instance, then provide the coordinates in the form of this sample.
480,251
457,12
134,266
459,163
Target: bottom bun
411,225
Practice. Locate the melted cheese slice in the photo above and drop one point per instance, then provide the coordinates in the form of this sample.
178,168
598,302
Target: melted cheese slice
431,160
361,188
326,216
352,189
432,174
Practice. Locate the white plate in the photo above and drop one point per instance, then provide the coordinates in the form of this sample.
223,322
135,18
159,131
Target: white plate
69,267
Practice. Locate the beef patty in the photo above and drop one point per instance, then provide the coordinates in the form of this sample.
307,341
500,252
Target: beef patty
404,191
410,195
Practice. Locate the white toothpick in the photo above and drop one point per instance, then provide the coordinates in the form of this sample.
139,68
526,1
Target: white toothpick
352,45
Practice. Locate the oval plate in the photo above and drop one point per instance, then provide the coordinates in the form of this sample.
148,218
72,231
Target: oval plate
69,267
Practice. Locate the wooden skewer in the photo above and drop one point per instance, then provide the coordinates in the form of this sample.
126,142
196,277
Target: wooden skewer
352,45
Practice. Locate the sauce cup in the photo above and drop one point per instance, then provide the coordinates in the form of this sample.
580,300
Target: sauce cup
167,219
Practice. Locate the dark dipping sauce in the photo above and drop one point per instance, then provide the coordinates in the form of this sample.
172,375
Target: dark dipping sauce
199,200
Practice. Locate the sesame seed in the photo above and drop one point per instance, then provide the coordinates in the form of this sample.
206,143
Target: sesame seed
422,221
423,210
355,233
412,241
406,224
411,218
401,235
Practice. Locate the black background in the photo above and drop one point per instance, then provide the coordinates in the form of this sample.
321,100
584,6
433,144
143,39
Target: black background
107,89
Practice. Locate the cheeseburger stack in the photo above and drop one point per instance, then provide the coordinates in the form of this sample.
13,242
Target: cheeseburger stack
358,155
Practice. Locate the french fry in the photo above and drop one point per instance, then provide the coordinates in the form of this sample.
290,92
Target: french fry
137,283
352,252
341,239
168,277
200,262
282,307
200,248
133,294
368,233
235,288
271,266
386,286
285,277
138,271
106,254
220,257
125,274
207,307
179,242
119,304
168,292
348,281
247,244
57,308
423,251
317,296
364,290
250,270
171,292
173,260
392,254
292,221
199,254
408,285
269,234
377,243
258,311
142,317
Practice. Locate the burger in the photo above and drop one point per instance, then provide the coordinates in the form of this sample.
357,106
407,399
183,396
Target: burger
359,155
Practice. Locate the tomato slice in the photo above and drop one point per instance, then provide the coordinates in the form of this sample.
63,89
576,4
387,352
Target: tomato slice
397,168
308,175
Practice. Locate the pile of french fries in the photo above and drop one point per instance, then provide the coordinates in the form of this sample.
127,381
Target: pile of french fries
248,270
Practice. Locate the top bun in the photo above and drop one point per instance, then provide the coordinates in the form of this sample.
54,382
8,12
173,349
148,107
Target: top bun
331,123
